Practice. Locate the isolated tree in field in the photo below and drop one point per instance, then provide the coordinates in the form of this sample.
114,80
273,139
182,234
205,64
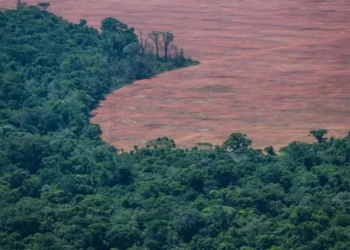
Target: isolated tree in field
319,134
155,37
44,5
168,37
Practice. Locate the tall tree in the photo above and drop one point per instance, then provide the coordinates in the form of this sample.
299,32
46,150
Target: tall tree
143,44
168,38
111,24
319,134
236,141
155,37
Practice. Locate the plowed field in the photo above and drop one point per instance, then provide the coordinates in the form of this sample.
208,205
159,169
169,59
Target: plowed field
272,69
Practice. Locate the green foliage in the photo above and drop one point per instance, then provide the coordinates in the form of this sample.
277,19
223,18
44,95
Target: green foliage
270,150
236,141
111,24
44,5
319,134
188,223
62,187
163,142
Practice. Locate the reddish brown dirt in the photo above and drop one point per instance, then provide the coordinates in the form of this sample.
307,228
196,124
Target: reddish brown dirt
271,69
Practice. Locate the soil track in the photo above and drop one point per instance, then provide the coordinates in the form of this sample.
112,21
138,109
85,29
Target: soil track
271,69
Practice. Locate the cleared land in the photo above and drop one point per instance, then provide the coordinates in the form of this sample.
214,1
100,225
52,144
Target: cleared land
271,69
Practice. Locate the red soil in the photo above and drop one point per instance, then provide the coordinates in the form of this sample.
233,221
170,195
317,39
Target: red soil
271,69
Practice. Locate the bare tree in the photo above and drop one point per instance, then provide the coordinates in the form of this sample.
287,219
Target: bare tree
149,47
143,44
168,38
155,37
173,51
180,58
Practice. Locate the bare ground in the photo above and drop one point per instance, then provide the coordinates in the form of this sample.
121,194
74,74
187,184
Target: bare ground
273,70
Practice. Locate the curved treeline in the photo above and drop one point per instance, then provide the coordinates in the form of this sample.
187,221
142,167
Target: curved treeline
62,187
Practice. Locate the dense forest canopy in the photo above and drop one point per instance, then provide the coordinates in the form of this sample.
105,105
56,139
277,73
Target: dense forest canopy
62,187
